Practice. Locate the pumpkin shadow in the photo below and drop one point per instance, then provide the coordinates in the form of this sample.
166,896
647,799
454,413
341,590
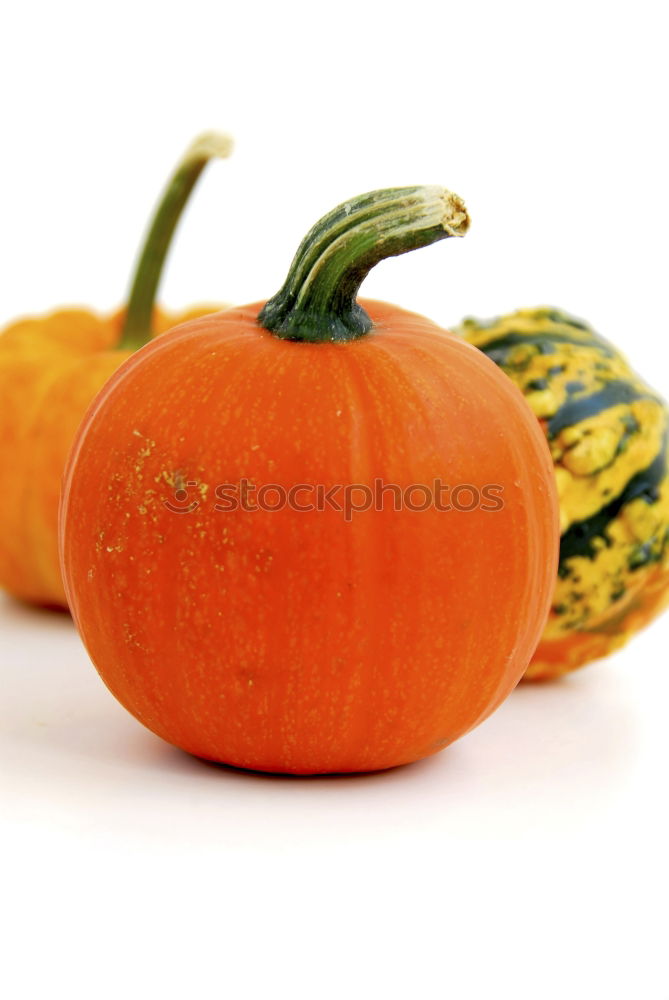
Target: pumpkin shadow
23,612
560,752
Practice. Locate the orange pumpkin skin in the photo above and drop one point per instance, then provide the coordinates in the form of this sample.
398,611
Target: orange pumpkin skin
299,641
51,367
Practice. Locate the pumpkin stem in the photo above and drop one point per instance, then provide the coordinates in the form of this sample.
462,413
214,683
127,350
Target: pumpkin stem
136,329
318,300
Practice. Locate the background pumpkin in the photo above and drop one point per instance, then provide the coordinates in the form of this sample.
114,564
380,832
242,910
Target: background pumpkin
50,369
607,432
299,640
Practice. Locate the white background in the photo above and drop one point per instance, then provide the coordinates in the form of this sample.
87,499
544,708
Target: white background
529,860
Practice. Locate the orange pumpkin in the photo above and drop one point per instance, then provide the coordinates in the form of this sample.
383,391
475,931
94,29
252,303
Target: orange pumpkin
259,626
51,367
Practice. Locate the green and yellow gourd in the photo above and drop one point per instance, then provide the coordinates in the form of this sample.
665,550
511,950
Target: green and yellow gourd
607,432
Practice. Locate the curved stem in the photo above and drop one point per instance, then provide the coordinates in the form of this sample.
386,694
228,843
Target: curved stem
318,299
137,326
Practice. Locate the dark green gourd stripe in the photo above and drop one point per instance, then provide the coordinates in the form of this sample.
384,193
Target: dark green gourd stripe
579,538
566,319
576,410
498,349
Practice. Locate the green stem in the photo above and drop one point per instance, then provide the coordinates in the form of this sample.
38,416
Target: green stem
318,299
137,326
